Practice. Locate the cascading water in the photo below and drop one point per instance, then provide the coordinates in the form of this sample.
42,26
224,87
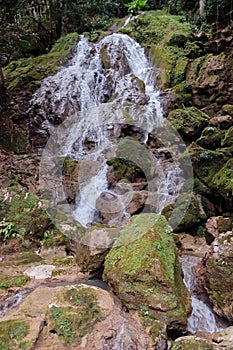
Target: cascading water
202,318
104,83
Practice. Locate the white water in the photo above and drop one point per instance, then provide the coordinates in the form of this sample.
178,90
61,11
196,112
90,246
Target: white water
202,318
82,92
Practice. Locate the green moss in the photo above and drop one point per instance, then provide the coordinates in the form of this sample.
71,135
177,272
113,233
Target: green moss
9,281
190,343
179,71
169,39
189,122
156,27
227,141
128,119
211,137
64,261
206,163
222,180
76,320
28,72
11,332
26,258
26,212
228,109
143,269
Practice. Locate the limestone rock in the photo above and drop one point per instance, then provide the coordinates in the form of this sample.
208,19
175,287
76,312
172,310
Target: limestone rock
40,271
223,121
73,317
143,270
216,225
218,275
224,339
91,251
192,343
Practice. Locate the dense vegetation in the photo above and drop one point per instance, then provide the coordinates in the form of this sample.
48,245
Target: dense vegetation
30,27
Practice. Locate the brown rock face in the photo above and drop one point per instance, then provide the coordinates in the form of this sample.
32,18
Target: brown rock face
216,225
218,275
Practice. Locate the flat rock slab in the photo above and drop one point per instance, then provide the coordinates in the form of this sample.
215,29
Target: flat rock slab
40,271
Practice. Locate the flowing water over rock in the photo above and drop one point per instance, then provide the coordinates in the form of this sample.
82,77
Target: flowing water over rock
108,85
202,318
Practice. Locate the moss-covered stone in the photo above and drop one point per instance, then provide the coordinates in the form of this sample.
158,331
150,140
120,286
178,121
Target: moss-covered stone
192,343
179,71
12,333
186,214
189,122
77,318
143,270
228,109
10,281
211,137
206,163
30,71
26,258
227,141
222,181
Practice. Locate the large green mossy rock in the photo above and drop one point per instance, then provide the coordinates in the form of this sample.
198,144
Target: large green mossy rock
143,270
28,72
189,122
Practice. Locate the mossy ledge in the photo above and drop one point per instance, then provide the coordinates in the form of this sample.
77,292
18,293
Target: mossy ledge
28,72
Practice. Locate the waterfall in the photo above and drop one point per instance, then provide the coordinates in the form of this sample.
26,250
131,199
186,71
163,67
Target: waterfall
202,318
107,84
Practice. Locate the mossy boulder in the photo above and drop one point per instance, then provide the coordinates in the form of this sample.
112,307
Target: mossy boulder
218,266
28,72
143,270
211,137
227,141
228,109
206,163
186,214
192,343
189,122
222,181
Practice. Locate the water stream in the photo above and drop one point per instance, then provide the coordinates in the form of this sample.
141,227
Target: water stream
104,82
202,318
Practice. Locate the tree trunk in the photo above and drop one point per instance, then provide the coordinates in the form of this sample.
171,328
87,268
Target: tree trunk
2,88
202,8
